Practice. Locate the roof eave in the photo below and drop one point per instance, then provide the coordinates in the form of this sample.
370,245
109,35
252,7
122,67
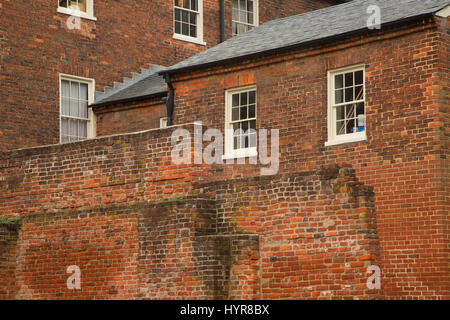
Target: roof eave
139,98
293,46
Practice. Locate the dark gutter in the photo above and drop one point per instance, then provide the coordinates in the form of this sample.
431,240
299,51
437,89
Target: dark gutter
222,20
145,97
294,46
169,99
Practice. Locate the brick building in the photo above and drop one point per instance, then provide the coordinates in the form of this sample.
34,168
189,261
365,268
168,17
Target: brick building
362,177
99,45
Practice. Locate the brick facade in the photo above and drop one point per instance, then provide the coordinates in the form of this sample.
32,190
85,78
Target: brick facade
152,229
404,158
140,227
127,36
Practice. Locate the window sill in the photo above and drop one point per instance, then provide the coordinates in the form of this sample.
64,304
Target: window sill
76,13
241,154
350,139
189,39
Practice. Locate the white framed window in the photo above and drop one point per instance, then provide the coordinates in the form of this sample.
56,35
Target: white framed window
188,20
79,8
244,16
240,122
163,122
76,119
346,105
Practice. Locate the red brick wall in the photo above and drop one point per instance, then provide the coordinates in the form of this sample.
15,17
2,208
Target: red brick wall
317,233
127,36
129,117
139,226
8,245
400,159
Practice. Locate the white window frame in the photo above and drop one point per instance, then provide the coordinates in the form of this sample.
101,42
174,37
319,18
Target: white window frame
89,14
230,152
255,17
199,38
91,122
333,138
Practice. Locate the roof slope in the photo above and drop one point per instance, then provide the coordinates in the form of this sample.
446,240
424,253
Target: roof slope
311,26
151,84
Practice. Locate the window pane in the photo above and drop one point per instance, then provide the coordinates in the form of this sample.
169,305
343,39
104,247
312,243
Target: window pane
187,4
251,97
338,81
359,77
185,29
84,91
350,113
235,14
349,94
351,126
83,111
245,126
243,16
243,113
241,28
360,108
250,17
236,143
74,90
177,27
177,14
358,92
193,18
252,111
235,100
194,5
349,79
340,128
73,108
65,106
244,98
242,5
65,88
73,128
253,124
250,5
235,3
340,113
185,16
338,96
235,114
193,31
83,129
64,127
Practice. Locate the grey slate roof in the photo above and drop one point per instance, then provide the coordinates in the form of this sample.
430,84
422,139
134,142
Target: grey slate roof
311,26
147,83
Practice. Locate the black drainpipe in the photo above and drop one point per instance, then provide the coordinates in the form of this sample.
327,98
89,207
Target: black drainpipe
169,99
222,20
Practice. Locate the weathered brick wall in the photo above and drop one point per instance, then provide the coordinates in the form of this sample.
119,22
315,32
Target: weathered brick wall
317,231
102,242
123,168
129,117
139,226
400,159
8,247
169,235
127,36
